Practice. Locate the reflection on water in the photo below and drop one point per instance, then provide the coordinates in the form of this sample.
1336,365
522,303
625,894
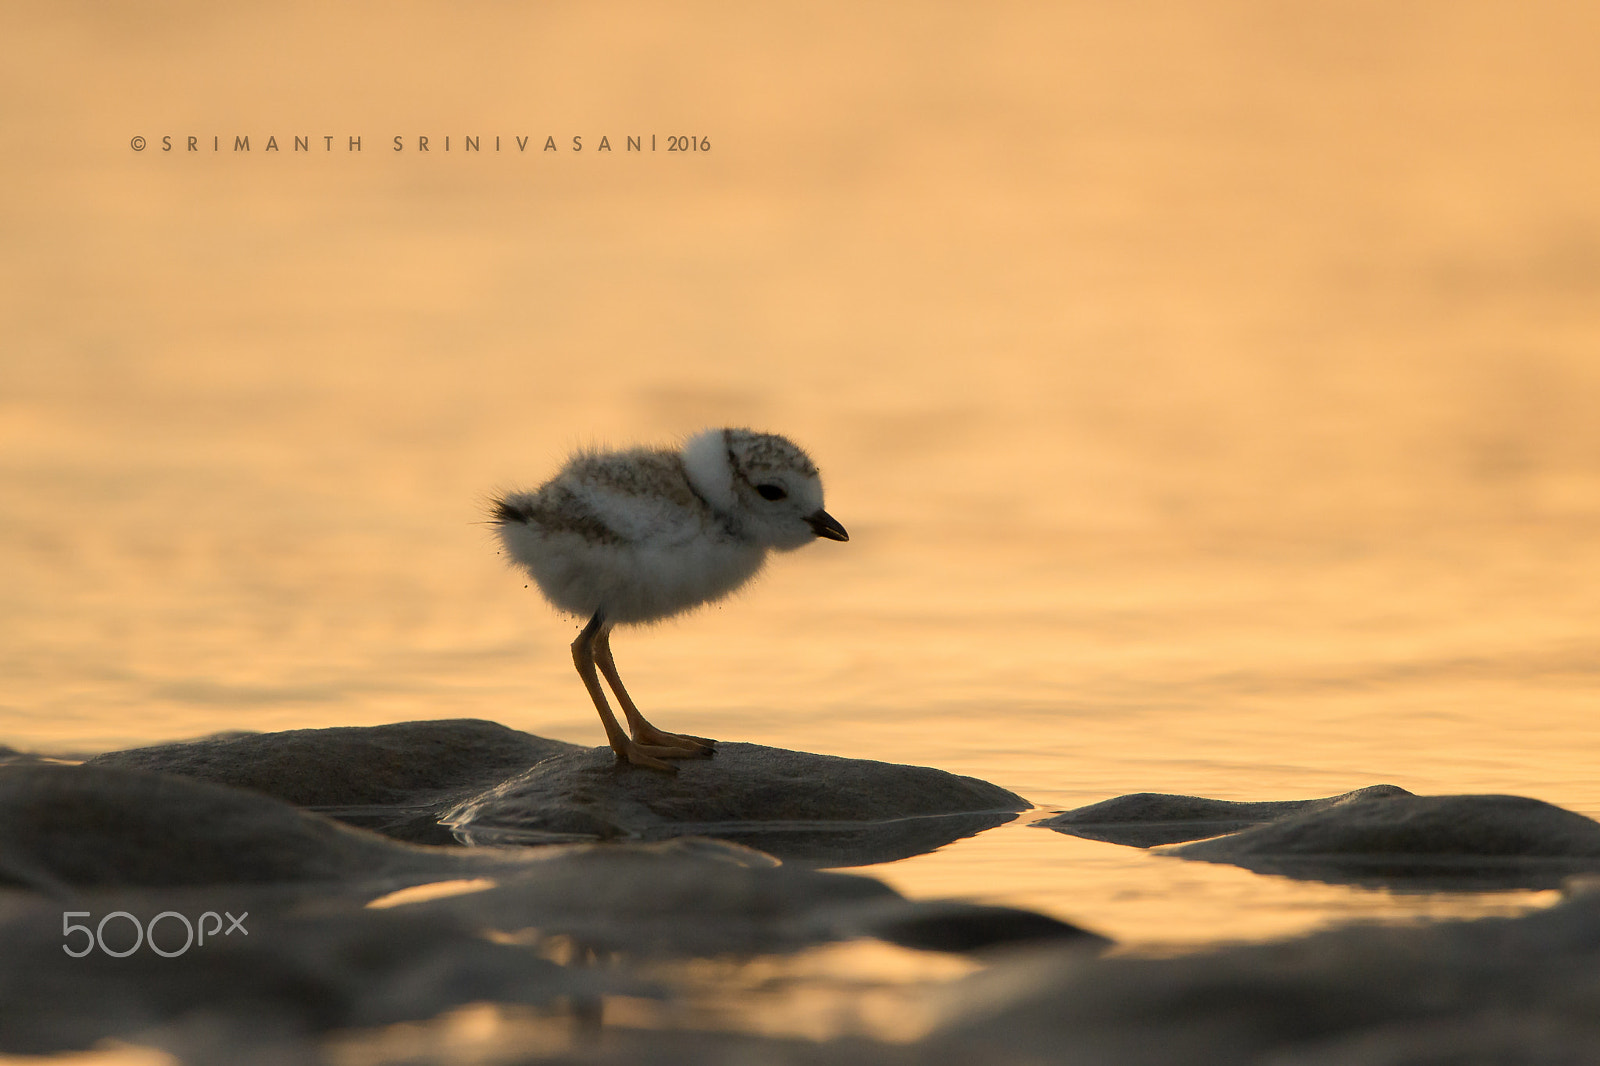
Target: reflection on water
1209,398
1151,903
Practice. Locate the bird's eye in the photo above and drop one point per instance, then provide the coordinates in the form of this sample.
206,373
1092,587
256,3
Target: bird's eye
771,492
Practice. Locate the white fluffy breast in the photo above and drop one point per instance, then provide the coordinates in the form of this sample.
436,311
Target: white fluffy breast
631,582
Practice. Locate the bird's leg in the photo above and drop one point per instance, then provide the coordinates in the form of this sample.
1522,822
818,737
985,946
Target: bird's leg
583,657
671,745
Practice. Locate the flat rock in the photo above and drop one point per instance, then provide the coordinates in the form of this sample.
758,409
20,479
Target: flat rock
1149,819
1423,841
67,827
816,809
499,786
396,779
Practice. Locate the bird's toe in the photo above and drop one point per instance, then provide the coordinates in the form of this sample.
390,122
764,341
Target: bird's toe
676,743
675,751
661,738
644,755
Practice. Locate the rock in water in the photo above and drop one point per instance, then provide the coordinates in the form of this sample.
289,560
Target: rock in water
955,926
1420,841
1148,819
817,809
1496,990
686,897
263,994
396,779
78,826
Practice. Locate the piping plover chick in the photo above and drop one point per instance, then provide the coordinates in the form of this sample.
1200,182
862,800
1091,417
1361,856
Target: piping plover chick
640,535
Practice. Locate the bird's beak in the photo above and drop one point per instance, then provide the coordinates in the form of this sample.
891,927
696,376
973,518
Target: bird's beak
825,525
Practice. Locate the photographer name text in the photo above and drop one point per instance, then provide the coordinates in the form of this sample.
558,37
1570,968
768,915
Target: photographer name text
421,144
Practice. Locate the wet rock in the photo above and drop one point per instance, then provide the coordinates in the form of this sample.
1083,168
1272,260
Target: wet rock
817,809
669,1047
74,826
1149,819
402,779
1528,1039
395,779
679,898
289,976
307,961
954,926
693,897
1438,842
1358,995
64,829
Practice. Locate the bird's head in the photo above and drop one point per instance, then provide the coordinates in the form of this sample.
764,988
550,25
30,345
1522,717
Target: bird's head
764,483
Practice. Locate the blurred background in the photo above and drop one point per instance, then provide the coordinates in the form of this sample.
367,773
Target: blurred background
1209,389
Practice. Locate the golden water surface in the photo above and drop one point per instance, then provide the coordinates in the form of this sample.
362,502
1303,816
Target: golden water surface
1210,390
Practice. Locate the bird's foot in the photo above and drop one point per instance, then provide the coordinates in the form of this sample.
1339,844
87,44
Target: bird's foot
676,745
643,755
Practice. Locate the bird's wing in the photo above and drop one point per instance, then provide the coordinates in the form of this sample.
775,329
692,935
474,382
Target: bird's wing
641,498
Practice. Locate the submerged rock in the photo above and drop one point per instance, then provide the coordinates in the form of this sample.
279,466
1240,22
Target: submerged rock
818,809
1498,990
693,898
396,779
698,897
1149,819
1422,841
956,926
688,897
